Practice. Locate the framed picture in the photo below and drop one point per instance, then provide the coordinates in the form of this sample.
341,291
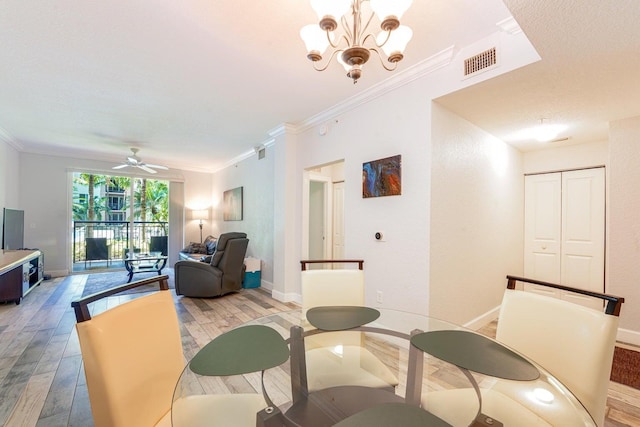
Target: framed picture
232,200
382,177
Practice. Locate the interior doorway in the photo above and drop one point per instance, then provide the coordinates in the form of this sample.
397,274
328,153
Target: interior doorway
323,212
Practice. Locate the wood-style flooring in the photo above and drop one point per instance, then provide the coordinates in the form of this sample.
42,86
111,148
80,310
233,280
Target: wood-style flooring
41,377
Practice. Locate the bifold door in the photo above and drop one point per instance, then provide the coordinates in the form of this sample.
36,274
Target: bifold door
565,229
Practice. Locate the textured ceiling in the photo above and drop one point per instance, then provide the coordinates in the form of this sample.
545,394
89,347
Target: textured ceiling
197,83
586,78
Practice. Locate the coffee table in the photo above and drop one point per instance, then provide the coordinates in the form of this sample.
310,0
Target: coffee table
145,263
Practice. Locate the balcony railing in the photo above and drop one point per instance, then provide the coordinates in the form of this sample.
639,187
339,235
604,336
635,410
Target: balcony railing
118,234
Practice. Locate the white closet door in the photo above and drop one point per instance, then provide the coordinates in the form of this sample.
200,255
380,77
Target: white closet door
583,221
565,230
543,227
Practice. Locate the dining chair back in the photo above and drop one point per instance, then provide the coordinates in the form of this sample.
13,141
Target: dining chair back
339,358
132,356
573,342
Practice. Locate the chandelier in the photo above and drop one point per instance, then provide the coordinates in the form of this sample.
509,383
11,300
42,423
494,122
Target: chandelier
353,40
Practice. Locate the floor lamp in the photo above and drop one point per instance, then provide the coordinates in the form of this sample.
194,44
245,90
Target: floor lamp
200,214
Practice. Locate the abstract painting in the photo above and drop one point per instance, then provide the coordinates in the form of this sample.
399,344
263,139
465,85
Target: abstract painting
382,177
232,200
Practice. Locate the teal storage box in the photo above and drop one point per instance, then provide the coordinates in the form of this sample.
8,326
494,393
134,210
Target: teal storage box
251,280
252,274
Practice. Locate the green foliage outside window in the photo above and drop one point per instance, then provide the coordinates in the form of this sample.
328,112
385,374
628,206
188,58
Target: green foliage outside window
91,197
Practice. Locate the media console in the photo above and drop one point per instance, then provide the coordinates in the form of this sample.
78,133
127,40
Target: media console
20,271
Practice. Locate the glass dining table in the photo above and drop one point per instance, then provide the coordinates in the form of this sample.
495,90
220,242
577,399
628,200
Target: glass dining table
446,375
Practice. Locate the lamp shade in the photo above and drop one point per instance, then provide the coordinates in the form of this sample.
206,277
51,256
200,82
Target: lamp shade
314,38
200,214
387,8
333,8
398,40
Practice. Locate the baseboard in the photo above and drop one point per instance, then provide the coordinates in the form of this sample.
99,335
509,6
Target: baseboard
288,297
628,336
264,284
57,273
483,319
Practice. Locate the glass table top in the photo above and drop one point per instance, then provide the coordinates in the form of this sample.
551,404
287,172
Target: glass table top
433,360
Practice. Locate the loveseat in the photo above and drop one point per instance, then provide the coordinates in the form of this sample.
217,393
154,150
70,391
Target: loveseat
199,251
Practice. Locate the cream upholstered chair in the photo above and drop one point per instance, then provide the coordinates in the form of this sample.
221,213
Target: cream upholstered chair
133,358
339,358
574,343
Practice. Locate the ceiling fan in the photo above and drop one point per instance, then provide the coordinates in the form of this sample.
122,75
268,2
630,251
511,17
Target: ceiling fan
134,161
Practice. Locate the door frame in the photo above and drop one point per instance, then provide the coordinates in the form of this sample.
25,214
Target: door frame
308,177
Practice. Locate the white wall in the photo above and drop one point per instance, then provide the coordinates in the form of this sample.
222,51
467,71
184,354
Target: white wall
9,170
623,272
476,219
45,196
559,157
395,123
395,118
197,196
257,182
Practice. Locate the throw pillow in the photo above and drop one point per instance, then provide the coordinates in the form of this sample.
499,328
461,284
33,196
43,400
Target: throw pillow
211,245
195,248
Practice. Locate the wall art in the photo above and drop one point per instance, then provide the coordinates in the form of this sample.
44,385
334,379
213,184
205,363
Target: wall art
232,200
382,177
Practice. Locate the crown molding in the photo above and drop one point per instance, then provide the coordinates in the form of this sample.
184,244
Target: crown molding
401,78
284,128
509,26
247,154
8,139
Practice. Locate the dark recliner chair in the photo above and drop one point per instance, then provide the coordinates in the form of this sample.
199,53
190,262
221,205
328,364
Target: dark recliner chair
223,274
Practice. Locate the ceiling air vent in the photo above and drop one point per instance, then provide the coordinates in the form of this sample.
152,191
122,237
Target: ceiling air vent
480,62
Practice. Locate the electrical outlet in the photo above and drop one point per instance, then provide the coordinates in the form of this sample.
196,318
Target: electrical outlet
379,297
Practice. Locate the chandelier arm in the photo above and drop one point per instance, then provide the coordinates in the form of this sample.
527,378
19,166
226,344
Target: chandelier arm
326,65
342,37
381,56
372,36
335,46
348,35
386,39
364,29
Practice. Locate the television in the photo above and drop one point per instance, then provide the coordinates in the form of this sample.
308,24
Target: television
12,229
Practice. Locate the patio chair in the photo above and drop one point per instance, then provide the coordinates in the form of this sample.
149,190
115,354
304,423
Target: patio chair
96,249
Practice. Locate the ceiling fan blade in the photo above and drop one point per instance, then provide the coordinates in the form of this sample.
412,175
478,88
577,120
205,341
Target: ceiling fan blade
146,169
157,166
120,167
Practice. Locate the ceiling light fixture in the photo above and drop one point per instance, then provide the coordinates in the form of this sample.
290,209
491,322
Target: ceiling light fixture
545,132
352,46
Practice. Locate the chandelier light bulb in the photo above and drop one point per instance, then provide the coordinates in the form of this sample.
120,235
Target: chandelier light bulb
396,43
315,41
390,12
330,11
